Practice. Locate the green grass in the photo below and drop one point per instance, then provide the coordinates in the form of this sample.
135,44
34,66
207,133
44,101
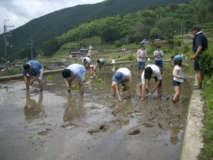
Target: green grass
131,46
91,40
207,152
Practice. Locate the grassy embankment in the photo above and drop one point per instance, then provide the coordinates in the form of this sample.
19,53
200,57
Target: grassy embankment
207,94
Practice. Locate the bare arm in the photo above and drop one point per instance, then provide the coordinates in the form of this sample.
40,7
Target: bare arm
197,52
156,85
118,92
176,75
36,78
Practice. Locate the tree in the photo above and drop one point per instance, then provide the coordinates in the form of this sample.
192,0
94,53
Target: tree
168,27
50,47
26,52
202,14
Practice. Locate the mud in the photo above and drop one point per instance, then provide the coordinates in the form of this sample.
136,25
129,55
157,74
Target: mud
54,124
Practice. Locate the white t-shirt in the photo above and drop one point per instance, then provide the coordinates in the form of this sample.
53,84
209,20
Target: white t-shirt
141,53
158,58
78,71
180,73
126,72
87,59
156,73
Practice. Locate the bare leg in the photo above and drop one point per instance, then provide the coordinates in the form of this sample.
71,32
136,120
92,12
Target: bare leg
40,85
113,89
128,89
138,71
199,78
141,89
159,91
27,82
81,87
177,93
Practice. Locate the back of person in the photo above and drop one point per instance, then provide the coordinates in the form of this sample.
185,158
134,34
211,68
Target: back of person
76,68
126,72
180,73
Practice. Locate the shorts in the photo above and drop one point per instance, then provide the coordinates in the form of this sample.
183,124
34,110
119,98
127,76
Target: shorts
157,80
159,63
196,65
176,83
141,65
104,63
40,77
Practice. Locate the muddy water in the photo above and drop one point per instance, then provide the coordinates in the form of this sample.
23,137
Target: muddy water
58,125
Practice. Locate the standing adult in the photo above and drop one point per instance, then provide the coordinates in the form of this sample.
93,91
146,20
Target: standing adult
89,54
159,58
33,68
151,71
74,71
200,44
141,58
123,76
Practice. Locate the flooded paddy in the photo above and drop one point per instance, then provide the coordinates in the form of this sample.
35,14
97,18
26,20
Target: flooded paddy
54,124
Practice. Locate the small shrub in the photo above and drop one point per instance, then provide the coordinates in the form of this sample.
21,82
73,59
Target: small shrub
131,57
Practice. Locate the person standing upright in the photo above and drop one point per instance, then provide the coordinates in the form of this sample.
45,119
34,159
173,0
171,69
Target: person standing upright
159,58
200,43
141,58
89,54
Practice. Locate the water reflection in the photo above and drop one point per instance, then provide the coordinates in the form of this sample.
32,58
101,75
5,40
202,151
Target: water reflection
90,78
175,130
74,109
33,109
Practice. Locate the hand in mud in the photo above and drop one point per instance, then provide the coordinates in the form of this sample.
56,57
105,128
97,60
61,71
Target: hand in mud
120,100
27,84
31,82
142,99
73,87
69,89
153,90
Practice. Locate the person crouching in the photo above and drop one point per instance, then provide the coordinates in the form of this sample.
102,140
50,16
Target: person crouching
123,76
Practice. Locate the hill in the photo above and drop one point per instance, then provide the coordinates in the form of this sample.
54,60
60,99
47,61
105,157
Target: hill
55,24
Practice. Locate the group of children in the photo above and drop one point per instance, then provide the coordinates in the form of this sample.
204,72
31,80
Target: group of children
122,76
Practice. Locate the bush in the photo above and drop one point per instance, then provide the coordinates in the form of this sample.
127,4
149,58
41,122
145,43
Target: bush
207,152
186,48
206,61
131,57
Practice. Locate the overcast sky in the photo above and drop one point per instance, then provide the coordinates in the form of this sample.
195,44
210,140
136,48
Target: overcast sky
18,12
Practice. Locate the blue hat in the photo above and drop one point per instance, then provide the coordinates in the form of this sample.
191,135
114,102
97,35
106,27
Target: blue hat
178,57
118,77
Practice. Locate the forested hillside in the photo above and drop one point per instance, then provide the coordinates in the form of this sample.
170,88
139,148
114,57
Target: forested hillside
155,22
59,22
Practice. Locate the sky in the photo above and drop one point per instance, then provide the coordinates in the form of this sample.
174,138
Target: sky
18,12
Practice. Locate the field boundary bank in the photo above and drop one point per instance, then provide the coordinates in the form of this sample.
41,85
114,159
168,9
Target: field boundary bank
193,140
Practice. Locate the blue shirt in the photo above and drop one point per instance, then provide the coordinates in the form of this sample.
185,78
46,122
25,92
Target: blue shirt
35,68
200,40
77,71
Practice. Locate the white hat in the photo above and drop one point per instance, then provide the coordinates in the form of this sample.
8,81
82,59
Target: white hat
90,47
